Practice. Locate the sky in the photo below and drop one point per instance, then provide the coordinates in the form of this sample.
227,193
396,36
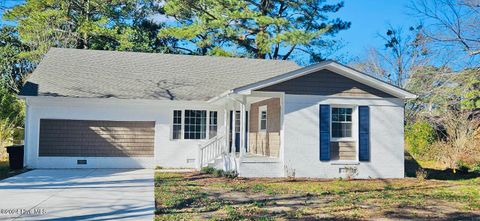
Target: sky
370,18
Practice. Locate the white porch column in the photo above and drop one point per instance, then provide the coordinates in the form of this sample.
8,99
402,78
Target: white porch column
225,126
242,126
233,130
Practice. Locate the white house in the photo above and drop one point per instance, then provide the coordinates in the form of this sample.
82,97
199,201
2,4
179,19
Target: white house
263,118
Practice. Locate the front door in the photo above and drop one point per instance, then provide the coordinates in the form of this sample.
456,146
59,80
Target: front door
237,130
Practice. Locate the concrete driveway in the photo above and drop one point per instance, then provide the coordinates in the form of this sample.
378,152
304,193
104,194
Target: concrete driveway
78,194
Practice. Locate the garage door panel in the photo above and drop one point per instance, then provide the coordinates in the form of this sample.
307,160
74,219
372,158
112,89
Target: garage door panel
97,140
80,130
82,138
91,136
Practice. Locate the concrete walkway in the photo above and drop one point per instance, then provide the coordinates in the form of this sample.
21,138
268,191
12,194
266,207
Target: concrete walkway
78,194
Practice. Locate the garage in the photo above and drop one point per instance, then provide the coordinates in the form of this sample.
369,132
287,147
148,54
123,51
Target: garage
83,139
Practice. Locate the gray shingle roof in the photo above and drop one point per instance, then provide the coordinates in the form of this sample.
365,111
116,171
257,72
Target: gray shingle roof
130,75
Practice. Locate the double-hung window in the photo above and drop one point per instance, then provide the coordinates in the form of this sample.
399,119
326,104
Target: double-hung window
343,145
177,125
262,118
213,124
195,124
341,122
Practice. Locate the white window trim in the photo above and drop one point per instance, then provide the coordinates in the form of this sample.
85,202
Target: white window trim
172,115
354,137
260,110
182,137
354,124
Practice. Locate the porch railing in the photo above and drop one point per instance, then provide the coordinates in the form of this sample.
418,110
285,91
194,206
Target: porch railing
211,150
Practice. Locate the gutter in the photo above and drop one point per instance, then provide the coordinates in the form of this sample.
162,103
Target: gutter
224,94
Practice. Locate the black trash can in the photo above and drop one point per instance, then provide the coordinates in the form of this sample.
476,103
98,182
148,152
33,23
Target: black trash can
15,156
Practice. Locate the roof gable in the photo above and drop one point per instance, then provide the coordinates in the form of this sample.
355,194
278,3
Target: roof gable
335,67
326,83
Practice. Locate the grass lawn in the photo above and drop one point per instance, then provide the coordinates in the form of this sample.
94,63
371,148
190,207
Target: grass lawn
191,196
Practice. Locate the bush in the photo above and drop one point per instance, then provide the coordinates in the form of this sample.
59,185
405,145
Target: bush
419,137
6,137
12,109
421,174
476,168
462,167
230,174
208,170
218,173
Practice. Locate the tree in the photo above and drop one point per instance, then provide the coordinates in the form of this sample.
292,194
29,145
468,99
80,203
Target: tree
12,110
440,90
123,25
266,29
460,145
451,23
402,53
84,24
13,67
12,113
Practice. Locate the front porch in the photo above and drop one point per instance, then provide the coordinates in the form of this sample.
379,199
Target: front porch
250,136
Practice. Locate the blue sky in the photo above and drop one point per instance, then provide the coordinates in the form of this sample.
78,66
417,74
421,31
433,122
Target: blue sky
369,18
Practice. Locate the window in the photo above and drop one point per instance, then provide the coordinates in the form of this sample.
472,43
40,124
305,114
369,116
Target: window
341,122
195,124
262,115
177,124
213,124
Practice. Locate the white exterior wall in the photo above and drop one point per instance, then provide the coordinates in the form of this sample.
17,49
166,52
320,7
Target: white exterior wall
301,131
168,152
261,169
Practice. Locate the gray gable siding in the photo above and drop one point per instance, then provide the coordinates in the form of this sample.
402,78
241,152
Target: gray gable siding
326,83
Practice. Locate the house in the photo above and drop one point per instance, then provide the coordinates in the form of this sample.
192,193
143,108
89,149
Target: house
263,118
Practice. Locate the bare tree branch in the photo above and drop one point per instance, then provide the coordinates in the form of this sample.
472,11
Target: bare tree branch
451,21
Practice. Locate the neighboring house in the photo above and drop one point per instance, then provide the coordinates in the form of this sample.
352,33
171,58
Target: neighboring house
264,118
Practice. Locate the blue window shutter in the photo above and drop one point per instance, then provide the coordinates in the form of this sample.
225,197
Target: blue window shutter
324,132
364,133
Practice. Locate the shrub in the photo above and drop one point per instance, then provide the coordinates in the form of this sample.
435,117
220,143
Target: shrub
419,136
218,173
6,137
421,174
460,150
476,168
462,167
230,174
208,170
12,109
